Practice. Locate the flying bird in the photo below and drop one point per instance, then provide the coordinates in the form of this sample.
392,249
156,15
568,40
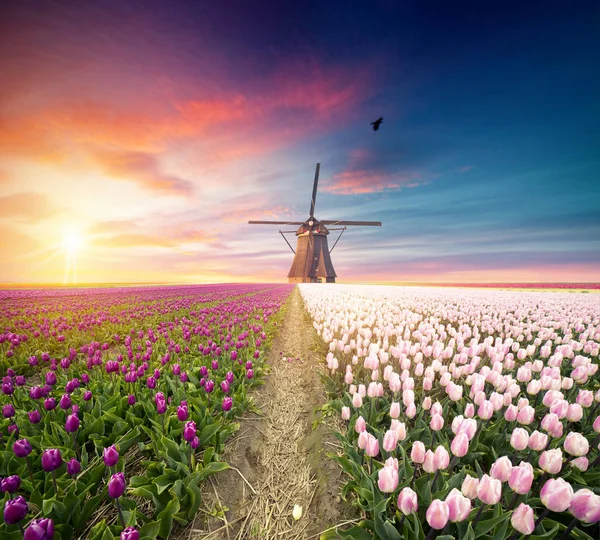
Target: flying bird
377,123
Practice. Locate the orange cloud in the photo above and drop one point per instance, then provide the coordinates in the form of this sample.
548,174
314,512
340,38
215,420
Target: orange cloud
143,169
356,182
27,207
134,240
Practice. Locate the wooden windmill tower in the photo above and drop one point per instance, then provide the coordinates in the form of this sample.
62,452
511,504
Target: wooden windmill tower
312,260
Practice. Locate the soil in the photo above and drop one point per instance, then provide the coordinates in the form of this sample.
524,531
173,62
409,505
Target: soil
278,460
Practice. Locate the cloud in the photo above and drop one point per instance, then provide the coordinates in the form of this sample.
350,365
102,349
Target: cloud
134,240
145,170
27,207
357,182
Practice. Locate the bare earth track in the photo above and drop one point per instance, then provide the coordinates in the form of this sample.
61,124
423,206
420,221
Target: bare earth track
280,459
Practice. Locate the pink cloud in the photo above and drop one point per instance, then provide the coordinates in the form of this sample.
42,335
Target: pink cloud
144,169
357,182
27,206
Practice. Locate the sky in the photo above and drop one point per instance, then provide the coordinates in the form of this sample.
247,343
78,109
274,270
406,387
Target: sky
138,138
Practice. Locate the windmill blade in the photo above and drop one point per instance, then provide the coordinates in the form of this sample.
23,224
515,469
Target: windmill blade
276,222
358,223
314,193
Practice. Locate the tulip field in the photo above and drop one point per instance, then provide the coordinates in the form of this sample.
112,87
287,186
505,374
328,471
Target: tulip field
469,413
116,402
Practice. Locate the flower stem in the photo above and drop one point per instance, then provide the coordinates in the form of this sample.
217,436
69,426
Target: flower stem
120,514
478,515
54,481
30,471
568,530
512,502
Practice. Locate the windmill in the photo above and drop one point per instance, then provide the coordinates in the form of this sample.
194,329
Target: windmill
312,260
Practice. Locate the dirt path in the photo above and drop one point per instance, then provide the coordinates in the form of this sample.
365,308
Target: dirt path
280,459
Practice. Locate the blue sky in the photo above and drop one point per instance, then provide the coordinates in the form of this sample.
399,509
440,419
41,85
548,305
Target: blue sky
153,131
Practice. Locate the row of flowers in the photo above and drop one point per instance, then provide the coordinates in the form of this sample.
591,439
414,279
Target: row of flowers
161,397
468,413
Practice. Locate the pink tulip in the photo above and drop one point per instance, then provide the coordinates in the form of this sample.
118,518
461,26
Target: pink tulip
357,401
437,422
576,444
523,519
390,441
429,462
407,501
537,441
417,454
395,410
521,478
526,415
511,412
345,413
441,458
489,490
387,479
556,495
596,424
469,487
411,410
585,506
469,410
399,428
372,447
582,463
459,506
519,439
363,437
468,427
391,462
460,445
501,469
574,412
437,514
360,425
551,461
485,410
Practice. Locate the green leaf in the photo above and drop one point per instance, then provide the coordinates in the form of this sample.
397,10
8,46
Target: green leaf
213,468
150,530
165,518
208,433
547,535
483,527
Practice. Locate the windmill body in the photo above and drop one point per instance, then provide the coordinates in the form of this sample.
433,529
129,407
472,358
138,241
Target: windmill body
312,259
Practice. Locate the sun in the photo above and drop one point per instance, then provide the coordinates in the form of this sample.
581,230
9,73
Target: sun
72,242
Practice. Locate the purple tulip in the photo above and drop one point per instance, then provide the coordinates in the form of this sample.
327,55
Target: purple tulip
73,467
50,404
189,431
34,416
229,377
15,510
131,399
203,371
249,364
225,387
39,529
72,423
51,459
22,448
195,443
157,374
87,395
151,383
51,378
20,380
111,456
65,402
130,534
35,392
214,365
227,404
85,378
161,406
7,387
10,484
8,411
116,485
13,428
176,369
234,354
183,377
182,413
250,374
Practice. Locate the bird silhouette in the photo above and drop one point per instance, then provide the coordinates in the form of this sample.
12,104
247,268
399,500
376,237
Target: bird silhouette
377,123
